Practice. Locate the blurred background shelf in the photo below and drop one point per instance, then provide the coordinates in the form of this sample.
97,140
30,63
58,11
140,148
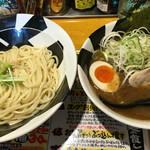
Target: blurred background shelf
80,14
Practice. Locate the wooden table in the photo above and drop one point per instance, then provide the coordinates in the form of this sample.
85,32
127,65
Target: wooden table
79,29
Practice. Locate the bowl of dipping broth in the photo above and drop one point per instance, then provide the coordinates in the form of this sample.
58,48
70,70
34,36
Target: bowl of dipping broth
113,68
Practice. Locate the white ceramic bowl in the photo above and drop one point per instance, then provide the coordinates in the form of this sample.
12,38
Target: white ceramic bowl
91,44
29,29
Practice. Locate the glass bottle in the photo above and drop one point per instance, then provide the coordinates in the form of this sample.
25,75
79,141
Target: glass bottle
57,7
107,6
82,5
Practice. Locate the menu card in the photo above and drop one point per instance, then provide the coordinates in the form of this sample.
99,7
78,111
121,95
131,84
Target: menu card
80,125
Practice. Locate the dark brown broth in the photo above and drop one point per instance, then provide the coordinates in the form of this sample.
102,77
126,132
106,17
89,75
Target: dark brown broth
126,94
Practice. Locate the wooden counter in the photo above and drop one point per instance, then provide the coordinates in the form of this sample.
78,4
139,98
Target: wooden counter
79,29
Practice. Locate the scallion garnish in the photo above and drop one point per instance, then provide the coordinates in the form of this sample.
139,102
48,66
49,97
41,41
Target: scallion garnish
6,76
127,52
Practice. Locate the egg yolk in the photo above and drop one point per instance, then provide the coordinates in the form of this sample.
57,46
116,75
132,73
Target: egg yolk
104,74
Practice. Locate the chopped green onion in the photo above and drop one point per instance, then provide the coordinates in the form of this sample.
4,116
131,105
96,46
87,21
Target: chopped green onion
6,76
11,76
127,52
5,66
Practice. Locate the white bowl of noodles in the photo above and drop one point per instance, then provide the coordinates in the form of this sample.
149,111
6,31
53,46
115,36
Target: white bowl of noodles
137,116
37,70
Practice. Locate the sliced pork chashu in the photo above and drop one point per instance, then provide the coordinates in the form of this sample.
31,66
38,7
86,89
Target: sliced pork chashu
140,78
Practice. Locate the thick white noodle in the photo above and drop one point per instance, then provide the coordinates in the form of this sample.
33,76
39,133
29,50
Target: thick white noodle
39,69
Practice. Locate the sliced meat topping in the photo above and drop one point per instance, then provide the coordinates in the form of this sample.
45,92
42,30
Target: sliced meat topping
140,78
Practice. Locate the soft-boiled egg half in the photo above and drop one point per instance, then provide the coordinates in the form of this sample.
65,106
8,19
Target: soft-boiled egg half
104,76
